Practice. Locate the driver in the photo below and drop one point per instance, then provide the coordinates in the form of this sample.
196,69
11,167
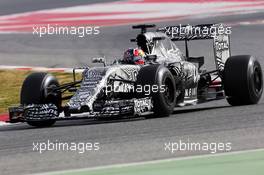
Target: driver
134,56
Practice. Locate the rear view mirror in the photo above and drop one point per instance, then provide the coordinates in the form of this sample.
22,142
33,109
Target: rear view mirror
99,60
151,58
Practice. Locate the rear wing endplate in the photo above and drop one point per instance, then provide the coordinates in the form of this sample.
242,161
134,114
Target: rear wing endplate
217,32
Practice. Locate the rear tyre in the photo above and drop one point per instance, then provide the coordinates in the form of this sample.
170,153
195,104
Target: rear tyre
165,98
243,80
35,91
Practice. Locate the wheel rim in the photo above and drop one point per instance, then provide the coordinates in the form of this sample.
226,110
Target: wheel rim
169,91
257,78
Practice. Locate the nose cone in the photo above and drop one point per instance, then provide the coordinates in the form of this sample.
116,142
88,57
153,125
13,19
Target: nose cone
76,109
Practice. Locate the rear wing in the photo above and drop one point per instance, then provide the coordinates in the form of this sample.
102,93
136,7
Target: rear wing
217,32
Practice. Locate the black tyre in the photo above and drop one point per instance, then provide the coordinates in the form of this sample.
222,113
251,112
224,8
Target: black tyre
164,100
243,80
35,91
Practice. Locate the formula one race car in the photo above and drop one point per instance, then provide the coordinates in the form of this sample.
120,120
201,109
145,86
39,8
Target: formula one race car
166,79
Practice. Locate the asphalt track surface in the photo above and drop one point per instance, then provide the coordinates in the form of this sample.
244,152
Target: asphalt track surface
127,140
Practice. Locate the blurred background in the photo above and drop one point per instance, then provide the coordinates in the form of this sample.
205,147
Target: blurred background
137,140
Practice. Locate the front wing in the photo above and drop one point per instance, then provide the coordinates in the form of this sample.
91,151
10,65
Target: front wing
113,108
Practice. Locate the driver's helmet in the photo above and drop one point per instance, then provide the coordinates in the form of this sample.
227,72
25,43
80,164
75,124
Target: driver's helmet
134,56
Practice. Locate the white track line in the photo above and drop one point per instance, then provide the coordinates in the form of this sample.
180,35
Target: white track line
4,123
32,68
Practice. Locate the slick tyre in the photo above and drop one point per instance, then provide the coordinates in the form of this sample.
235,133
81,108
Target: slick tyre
165,98
35,91
243,80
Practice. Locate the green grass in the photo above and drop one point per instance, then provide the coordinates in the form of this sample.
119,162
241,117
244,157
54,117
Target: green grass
11,82
244,163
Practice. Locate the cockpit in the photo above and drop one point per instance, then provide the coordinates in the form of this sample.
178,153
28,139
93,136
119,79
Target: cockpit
156,43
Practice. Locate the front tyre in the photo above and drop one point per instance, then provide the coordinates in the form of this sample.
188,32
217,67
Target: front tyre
35,90
164,99
243,80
